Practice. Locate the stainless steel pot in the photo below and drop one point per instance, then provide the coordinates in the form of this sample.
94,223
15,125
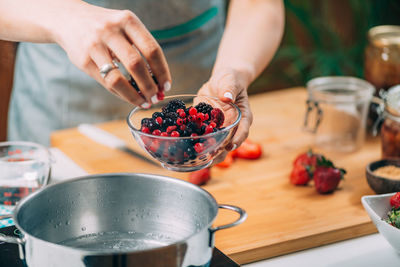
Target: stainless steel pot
118,220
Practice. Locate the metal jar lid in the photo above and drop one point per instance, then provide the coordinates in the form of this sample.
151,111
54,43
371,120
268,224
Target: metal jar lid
392,101
384,35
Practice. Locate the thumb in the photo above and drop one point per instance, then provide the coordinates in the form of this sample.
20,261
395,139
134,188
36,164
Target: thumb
227,89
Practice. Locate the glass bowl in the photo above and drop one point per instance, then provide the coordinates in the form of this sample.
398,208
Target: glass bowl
25,167
178,153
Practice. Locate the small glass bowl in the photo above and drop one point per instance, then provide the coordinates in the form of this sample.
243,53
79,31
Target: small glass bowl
25,167
170,151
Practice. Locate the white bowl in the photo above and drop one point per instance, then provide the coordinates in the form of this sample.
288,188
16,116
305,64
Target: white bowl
377,207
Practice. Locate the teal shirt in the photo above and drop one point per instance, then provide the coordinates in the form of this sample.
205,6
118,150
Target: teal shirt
50,93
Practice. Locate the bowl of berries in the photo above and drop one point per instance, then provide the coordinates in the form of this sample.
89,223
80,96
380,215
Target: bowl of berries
185,132
384,211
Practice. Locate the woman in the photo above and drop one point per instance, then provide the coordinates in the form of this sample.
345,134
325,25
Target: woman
174,38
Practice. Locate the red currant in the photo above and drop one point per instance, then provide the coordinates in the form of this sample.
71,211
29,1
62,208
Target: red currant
206,117
182,114
193,135
209,129
145,130
192,111
175,134
179,121
164,134
200,117
213,124
159,120
156,132
179,111
160,95
183,127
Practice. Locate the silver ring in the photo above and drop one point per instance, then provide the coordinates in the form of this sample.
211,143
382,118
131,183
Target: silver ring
106,68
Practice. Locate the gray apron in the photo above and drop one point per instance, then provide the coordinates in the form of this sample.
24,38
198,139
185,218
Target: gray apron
50,93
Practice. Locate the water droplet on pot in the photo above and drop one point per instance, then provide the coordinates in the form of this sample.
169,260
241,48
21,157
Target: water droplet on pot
83,228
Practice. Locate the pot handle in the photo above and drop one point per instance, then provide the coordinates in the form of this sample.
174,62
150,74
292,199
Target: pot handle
241,219
10,239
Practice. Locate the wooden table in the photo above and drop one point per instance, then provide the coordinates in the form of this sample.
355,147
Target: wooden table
282,218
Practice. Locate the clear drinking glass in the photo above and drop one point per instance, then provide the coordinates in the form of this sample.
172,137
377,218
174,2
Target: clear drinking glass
24,168
337,109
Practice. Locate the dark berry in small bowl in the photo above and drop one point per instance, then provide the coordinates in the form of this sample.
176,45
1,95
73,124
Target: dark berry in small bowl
185,132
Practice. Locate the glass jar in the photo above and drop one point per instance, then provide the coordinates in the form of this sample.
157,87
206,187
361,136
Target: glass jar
337,111
382,57
390,131
382,65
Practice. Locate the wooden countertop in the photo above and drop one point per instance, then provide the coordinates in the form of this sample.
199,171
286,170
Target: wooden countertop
282,218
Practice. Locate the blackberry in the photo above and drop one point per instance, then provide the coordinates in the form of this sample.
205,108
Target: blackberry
192,126
145,122
152,125
158,114
168,122
204,108
173,105
171,115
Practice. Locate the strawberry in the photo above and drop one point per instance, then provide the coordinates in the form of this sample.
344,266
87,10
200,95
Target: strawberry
395,201
249,150
227,161
308,159
327,176
300,175
303,168
200,177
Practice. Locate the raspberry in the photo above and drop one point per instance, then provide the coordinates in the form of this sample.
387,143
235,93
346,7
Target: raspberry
217,116
199,147
171,128
160,95
192,111
206,117
175,134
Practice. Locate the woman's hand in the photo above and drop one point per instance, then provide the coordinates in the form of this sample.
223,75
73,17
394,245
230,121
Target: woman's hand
230,85
93,36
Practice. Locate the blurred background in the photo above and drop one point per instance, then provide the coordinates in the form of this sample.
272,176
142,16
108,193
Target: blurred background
324,38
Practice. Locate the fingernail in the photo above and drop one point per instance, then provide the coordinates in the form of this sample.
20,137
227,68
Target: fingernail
228,95
154,99
234,146
167,86
145,105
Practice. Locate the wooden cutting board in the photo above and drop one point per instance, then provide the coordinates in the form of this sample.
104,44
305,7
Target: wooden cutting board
282,218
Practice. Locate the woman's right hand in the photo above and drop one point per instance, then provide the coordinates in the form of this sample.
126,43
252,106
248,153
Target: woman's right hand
93,36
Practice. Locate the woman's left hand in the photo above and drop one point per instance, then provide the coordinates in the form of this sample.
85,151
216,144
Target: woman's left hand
230,85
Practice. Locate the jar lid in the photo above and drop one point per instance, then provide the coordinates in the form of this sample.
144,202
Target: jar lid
339,89
384,35
392,99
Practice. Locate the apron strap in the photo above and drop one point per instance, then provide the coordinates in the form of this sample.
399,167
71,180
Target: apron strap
186,27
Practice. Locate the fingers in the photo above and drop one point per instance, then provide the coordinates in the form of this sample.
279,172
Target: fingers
135,65
151,50
114,81
220,158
